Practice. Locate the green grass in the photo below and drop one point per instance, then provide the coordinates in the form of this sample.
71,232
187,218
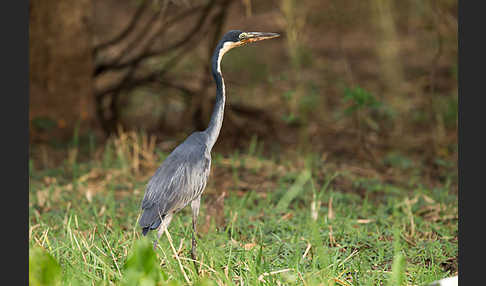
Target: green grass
382,235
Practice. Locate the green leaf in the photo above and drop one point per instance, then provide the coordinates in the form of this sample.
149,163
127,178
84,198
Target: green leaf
397,277
294,190
360,99
43,268
142,266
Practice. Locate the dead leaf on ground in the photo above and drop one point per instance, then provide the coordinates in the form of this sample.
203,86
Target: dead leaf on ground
332,241
287,216
249,246
364,221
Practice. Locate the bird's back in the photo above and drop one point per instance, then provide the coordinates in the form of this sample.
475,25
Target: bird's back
180,179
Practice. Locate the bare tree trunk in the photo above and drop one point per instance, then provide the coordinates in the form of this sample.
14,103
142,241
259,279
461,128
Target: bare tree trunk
61,67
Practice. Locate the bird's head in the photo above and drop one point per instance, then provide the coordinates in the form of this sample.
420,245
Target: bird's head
236,38
232,39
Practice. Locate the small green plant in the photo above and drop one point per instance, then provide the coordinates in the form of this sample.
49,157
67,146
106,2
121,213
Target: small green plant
398,160
449,107
291,116
360,99
291,119
253,145
362,102
294,190
142,266
43,268
397,276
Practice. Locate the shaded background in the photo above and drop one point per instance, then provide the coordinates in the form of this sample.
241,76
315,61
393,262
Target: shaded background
362,84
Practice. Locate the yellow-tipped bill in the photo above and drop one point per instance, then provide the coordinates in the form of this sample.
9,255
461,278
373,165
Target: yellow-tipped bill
249,37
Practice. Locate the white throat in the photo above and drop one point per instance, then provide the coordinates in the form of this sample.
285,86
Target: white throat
226,47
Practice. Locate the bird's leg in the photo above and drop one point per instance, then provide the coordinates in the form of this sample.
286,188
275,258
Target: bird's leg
195,212
163,226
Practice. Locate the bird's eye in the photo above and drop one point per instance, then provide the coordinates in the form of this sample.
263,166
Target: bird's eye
242,36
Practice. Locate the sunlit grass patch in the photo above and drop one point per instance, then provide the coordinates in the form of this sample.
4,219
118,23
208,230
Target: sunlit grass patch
263,221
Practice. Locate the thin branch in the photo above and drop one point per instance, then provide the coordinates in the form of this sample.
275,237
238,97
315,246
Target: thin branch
145,31
138,39
148,54
170,84
128,81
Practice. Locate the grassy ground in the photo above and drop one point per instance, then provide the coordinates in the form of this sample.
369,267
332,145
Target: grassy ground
262,222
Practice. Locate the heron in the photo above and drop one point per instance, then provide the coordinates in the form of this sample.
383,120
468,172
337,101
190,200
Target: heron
182,176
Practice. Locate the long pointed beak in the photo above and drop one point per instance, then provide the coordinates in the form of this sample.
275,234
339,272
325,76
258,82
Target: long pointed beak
258,36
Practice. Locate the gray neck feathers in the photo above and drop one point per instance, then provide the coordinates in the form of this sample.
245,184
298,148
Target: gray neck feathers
216,121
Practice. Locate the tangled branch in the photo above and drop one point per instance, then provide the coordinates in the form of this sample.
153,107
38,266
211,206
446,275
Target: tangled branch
140,42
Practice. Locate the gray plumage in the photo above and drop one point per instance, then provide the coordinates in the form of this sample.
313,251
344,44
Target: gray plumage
180,179
183,175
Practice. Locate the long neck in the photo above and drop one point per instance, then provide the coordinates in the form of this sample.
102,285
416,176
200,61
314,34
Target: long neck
216,121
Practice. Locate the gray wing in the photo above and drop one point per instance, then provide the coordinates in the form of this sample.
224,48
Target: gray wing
180,179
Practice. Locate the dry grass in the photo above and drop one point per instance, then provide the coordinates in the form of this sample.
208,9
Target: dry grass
250,230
